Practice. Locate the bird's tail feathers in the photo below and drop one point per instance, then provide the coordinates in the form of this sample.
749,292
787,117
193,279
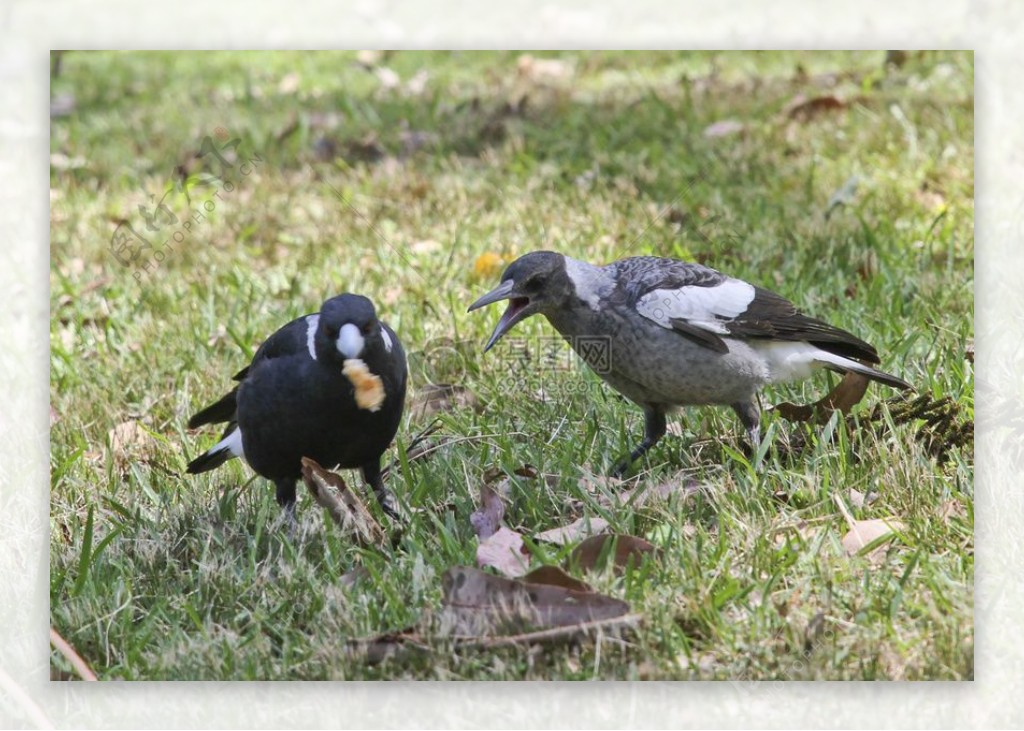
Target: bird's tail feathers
222,410
839,363
229,447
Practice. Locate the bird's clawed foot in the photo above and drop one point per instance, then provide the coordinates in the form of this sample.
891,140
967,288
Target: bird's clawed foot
654,429
388,503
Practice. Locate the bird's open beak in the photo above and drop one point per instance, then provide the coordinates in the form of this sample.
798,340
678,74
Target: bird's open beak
515,312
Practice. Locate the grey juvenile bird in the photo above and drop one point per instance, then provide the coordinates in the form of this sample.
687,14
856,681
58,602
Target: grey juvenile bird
676,334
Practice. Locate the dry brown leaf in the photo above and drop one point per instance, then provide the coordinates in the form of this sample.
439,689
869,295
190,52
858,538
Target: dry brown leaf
476,603
594,552
847,393
485,611
426,246
344,506
130,440
577,530
527,470
353,577
865,532
859,499
504,551
556,577
723,128
487,518
543,70
952,509
803,108
387,78
289,83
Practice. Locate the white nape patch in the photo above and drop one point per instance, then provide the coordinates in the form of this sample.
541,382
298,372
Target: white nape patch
590,283
350,341
703,307
386,338
311,323
232,442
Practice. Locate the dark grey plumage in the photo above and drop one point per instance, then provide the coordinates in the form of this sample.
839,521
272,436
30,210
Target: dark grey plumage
677,334
294,400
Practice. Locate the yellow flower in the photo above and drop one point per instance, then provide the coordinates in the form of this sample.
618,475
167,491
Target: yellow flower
487,265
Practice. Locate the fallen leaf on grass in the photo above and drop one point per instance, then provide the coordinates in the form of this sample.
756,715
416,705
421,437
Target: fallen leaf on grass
353,577
130,440
843,397
555,577
476,603
578,529
505,552
723,128
804,109
499,548
859,499
345,508
485,611
387,78
487,518
864,533
543,70
426,246
595,552
952,509
289,83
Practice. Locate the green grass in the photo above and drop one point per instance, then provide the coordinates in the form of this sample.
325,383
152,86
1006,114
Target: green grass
159,575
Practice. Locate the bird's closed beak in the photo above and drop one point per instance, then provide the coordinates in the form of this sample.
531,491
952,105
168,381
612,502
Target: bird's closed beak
514,313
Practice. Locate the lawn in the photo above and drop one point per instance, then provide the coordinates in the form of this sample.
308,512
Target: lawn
844,183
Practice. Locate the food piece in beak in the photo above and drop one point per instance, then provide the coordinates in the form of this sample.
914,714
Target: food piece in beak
369,389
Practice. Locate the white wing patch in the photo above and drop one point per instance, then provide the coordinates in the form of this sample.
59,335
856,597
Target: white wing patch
311,324
232,442
704,307
386,338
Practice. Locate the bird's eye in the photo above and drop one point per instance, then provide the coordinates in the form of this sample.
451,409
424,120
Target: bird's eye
367,328
331,331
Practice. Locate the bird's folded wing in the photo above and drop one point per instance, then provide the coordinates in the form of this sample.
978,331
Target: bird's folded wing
692,301
295,337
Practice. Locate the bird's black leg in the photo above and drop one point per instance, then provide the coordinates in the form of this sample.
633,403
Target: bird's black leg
371,474
286,499
286,493
750,417
654,429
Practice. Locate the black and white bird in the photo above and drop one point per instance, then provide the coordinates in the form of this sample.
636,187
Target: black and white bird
328,386
666,333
